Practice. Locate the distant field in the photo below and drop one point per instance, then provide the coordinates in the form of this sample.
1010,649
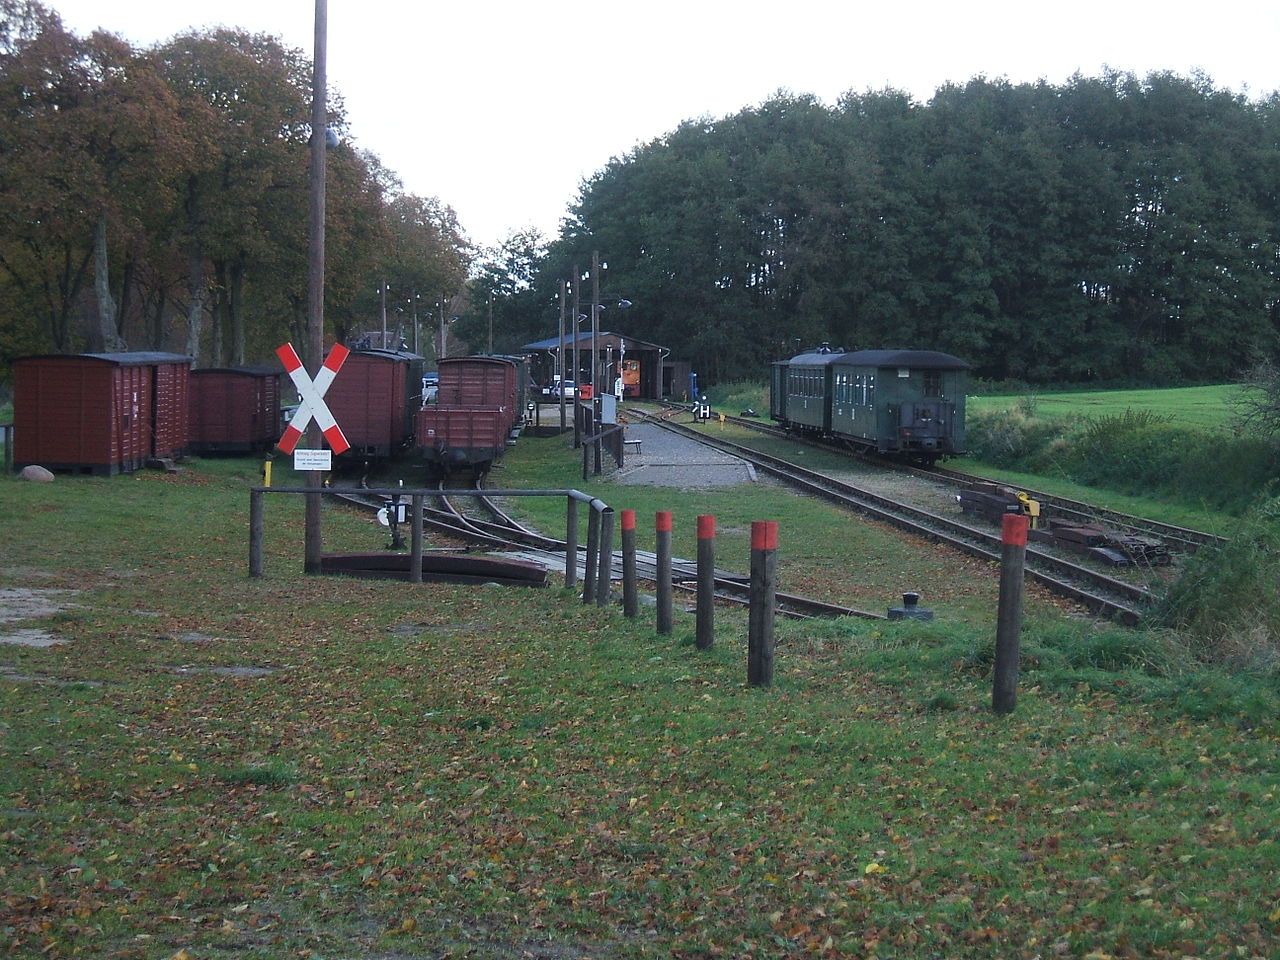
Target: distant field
1207,407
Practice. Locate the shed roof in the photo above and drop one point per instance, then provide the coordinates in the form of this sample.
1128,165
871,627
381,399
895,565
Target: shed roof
553,343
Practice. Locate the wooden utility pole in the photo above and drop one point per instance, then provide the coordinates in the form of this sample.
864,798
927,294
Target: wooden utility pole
315,270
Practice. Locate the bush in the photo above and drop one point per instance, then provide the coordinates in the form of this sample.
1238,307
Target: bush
1009,438
1140,453
1225,601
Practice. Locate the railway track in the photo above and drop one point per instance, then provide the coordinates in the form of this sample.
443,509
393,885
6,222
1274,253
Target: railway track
1179,539
499,531
1100,593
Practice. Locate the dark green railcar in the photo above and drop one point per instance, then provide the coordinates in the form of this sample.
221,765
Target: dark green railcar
801,395
907,404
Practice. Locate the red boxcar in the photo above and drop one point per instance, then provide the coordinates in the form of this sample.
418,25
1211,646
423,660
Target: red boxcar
478,405
235,409
100,413
373,398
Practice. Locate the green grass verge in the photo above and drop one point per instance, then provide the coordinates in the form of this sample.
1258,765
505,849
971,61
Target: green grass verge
1205,408
213,766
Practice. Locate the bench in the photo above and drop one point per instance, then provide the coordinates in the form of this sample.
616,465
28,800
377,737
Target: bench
633,444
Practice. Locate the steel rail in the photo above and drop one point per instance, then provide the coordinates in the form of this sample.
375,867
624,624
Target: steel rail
1062,577
1180,538
497,535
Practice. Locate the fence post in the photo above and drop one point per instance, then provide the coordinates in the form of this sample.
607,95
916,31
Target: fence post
663,575
593,552
706,626
255,533
1013,555
764,550
415,538
606,557
629,599
571,544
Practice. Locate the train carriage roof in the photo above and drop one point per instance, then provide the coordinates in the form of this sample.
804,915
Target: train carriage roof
912,359
813,359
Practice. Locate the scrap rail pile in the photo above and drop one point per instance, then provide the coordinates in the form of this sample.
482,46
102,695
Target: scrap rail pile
1117,548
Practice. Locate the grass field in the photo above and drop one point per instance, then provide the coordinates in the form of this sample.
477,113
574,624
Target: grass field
209,766
1207,408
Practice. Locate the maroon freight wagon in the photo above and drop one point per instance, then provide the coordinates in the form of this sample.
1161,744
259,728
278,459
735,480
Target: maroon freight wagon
234,409
373,398
100,413
478,405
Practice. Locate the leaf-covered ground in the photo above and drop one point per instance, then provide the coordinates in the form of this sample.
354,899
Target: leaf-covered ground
213,766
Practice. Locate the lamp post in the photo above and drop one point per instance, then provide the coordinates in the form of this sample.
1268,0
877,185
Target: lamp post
578,316
560,357
382,293
413,304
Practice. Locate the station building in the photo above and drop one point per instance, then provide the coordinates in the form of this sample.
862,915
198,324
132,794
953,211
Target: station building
646,371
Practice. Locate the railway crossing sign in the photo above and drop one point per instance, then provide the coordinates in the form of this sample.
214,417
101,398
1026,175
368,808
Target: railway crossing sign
311,393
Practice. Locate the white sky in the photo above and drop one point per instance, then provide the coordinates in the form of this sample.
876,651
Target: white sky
502,107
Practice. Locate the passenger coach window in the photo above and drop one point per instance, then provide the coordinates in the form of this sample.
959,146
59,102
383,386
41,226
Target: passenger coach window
933,383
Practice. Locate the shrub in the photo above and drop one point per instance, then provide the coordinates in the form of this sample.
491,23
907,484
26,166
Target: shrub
1136,452
1009,438
1225,601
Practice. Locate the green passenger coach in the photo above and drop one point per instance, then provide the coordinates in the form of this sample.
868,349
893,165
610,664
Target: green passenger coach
907,404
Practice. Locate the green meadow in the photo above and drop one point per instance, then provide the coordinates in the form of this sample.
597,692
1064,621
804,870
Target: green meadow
206,765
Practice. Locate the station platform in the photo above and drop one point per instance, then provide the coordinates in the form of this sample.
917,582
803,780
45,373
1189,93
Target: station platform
657,457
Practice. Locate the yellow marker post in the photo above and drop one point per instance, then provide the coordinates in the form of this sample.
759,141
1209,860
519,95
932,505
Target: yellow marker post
266,473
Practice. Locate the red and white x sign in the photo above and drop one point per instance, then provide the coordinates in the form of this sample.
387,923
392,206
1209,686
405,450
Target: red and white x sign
311,395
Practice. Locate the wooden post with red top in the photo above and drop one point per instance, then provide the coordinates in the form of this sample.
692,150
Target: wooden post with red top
663,576
706,628
630,601
1013,555
763,594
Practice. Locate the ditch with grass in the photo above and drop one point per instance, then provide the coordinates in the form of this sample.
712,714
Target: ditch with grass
208,765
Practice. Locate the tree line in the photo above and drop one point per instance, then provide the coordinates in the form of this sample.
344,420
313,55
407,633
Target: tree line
157,199
1108,229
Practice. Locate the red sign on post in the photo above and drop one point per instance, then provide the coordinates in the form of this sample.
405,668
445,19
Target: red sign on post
311,393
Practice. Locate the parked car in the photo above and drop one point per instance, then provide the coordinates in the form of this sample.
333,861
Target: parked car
565,388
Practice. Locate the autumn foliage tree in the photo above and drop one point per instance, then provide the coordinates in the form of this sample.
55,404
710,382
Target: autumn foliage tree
157,199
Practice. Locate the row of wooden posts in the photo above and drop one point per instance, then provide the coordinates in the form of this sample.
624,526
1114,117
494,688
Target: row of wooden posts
762,591
597,581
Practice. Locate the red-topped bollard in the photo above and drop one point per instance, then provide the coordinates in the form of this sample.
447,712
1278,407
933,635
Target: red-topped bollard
1013,555
629,598
663,575
706,626
763,592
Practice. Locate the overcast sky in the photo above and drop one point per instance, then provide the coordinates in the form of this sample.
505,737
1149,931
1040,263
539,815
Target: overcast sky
502,107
